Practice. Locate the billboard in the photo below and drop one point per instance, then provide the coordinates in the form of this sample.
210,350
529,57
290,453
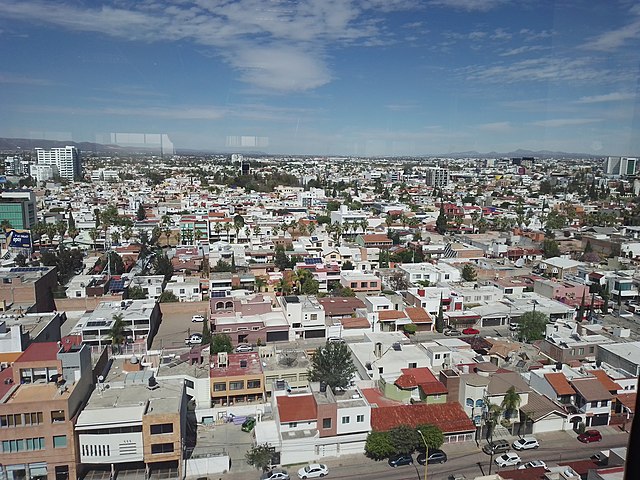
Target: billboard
19,239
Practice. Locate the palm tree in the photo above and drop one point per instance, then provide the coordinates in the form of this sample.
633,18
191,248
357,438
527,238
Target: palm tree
117,333
364,224
115,237
494,412
260,283
227,229
73,233
93,235
510,402
61,229
127,233
256,230
218,229
51,232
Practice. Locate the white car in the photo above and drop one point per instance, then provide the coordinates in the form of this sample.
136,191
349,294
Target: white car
533,464
313,470
507,459
244,348
525,443
194,339
335,340
197,318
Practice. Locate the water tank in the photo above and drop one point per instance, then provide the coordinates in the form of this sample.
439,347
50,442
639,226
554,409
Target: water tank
323,387
133,360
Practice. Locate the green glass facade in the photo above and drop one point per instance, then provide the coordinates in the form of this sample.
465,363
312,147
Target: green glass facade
14,214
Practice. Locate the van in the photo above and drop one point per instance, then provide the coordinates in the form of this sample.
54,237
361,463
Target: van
496,446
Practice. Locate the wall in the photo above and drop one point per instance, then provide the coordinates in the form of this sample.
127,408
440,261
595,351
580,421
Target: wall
201,467
353,426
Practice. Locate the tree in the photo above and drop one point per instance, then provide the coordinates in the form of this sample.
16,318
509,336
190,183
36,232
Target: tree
141,214
61,229
332,364
117,333
441,221
116,265
167,297
469,273
379,445
433,436
162,266
550,248
260,283
206,333
260,456
440,317
221,342
494,412
405,439
510,402
20,260
398,281
281,260
532,326
93,235
347,265
136,293
410,328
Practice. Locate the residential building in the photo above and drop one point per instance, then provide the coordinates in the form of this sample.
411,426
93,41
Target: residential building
236,378
559,267
19,330
42,393
305,316
151,285
437,177
287,365
360,281
18,207
185,288
30,287
593,400
625,356
132,419
65,159
430,272
414,385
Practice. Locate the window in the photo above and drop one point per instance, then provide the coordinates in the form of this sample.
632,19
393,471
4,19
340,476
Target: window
479,402
253,383
293,424
35,418
437,356
326,423
604,403
60,441
360,419
413,365
162,448
13,420
469,402
373,284
346,420
594,404
239,385
354,284
189,383
581,351
57,416
380,370
219,387
161,428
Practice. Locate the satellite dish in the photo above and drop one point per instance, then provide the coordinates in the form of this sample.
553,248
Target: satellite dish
519,263
101,378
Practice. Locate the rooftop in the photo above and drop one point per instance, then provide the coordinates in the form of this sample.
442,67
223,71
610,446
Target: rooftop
296,408
238,364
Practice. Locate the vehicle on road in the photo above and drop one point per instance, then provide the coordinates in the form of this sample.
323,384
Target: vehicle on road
525,443
590,436
496,446
244,348
435,456
452,332
335,340
471,331
507,459
197,318
399,460
275,475
248,424
514,326
313,470
533,464
194,339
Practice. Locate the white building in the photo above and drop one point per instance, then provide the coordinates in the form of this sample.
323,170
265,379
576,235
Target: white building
65,159
432,273
186,289
437,177
305,316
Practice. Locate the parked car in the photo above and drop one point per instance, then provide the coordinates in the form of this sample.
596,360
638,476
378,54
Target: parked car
526,443
507,459
399,460
275,475
335,340
590,436
248,424
435,456
197,318
194,339
313,470
244,348
496,446
452,332
533,464
514,326
470,331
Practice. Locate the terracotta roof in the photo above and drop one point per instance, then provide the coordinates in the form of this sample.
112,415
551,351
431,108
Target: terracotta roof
375,398
581,467
448,417
406,381
340,305
356,322
390,315
5,383
40,352
537,473
559,383
500,382
297,408
376,238
606,382
434,388
591,389
628,400
418,315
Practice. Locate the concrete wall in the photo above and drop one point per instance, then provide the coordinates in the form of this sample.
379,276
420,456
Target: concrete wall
201,467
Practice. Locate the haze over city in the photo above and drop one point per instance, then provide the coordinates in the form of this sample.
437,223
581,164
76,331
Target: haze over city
393,77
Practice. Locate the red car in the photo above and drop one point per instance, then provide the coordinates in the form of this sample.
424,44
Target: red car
470,331
590,436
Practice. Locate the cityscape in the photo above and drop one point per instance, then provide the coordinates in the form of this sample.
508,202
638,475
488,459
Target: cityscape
297,239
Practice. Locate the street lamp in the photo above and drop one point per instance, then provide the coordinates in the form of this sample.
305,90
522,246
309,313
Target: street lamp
426,453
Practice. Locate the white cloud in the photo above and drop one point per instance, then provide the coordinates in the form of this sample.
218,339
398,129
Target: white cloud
496,127
521,50
565,122
470,5
607,97
179,112
615,39
401,107
11,78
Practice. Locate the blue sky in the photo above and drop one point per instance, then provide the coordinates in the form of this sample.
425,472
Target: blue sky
368,77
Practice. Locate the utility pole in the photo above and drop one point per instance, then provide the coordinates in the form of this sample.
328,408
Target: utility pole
426,453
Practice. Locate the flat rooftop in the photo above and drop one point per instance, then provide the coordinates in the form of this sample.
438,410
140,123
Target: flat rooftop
39,393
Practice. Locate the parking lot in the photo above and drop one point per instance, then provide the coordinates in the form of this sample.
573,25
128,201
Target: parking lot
177,325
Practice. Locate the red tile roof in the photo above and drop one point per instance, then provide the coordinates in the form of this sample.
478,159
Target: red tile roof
40,352
537,473
448,417
376,238
418,315
559,383
606,382
628,400
297,408
375,398
390,315
4,375
356,322
581,467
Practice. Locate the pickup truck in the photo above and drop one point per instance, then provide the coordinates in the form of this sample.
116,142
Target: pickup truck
194,339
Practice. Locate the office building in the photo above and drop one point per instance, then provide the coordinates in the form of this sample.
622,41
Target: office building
18,207
620,166
437,177
65,159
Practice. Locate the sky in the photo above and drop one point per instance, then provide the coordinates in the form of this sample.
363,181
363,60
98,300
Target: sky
326,77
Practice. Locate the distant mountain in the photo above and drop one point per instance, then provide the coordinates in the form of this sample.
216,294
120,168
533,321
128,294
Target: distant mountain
520,153
28,144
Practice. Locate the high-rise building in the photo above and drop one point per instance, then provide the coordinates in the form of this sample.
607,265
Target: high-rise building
620,166
65,159
18,207
437,177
